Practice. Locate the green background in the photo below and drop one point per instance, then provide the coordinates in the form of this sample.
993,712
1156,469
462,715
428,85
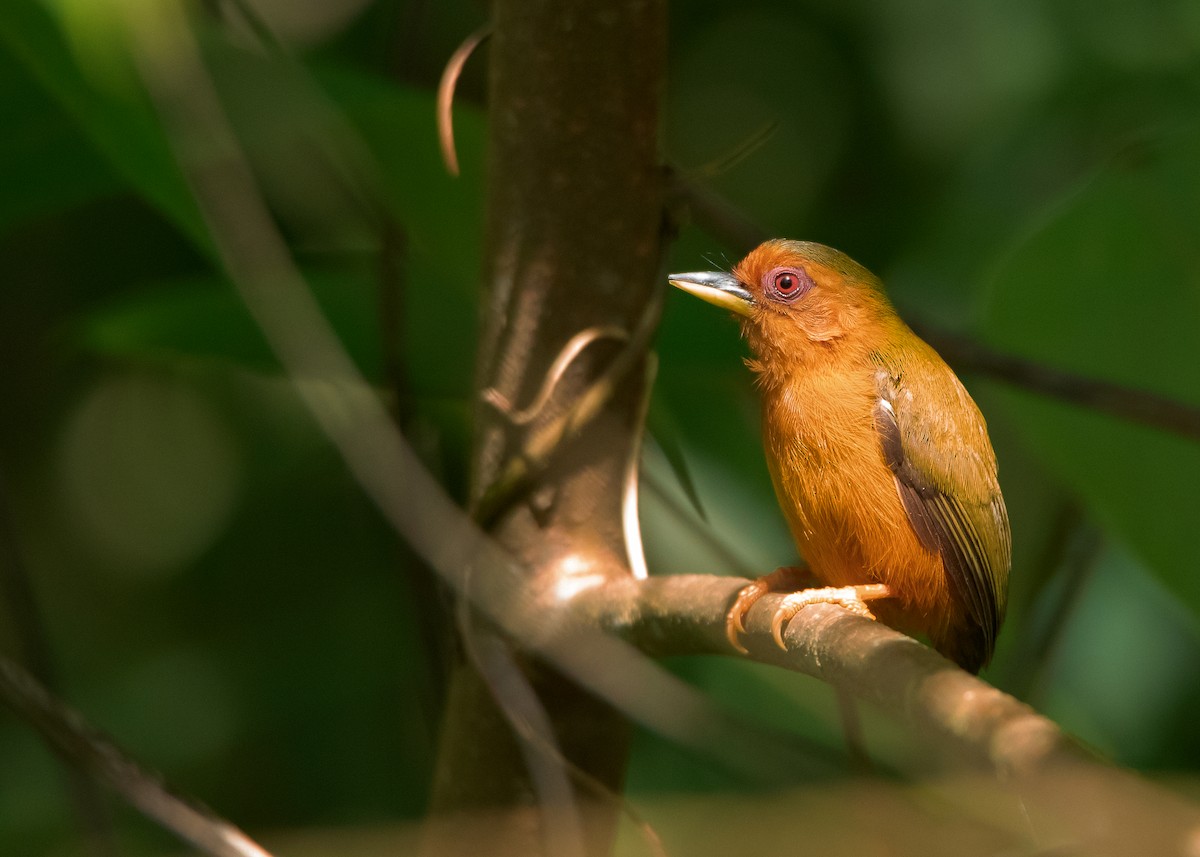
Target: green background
215,591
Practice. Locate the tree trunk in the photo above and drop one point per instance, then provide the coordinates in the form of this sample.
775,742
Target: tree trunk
574,244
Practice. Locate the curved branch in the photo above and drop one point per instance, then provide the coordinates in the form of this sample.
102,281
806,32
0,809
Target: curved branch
1016,758
24,616
685,614
84,749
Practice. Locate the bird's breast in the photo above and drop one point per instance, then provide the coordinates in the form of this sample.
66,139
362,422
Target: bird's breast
835,488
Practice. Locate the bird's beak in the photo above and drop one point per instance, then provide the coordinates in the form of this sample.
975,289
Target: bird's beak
716,287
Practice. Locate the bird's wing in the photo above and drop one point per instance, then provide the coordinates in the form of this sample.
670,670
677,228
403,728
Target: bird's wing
935,442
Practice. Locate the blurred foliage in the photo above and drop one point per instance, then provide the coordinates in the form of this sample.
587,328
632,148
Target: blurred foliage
217,593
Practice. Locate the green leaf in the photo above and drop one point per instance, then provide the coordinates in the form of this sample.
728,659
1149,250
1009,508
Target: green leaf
45,164
1109,286
111,111
203,318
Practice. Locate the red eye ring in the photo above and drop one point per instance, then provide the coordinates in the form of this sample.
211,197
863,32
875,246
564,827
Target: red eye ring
787,284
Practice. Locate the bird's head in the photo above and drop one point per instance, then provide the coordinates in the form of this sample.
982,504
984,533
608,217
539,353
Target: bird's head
796,298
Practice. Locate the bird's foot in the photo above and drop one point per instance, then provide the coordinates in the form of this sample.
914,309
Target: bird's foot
787,578
852,598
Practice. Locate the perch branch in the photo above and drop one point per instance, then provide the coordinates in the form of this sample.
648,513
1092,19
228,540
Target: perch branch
1066,797
685,614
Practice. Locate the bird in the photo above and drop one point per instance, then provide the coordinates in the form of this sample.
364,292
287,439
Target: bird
880,459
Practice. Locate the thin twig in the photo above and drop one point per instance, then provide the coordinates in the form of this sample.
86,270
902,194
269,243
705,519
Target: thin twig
721,554
714,214
84,749
740,151
445,95
528,720
260,27
718,217
544,442
17,592
25,615
1118,400
1076,546
631,521
549,769
566,357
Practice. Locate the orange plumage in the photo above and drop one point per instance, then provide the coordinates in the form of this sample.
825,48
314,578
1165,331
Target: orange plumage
880,459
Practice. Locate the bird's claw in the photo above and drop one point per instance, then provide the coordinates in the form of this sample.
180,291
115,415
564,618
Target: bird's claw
847,597
735,619
783,578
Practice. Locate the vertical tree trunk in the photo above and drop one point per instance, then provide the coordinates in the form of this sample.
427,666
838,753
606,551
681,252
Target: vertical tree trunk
574,243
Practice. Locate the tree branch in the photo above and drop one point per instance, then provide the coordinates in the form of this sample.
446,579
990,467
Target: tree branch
716,216
1011,749
24,614
685,614
84,749
1118,400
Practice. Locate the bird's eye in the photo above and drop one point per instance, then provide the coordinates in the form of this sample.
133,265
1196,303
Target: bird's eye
787,284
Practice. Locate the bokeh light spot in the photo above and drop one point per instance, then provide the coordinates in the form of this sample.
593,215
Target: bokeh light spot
149,474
